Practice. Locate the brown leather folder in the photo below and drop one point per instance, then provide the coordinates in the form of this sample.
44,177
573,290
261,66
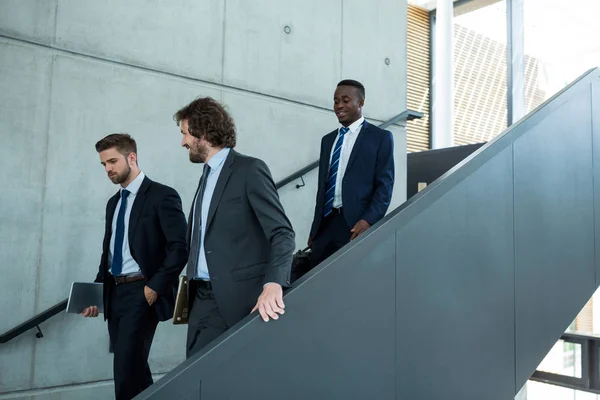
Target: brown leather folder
181,313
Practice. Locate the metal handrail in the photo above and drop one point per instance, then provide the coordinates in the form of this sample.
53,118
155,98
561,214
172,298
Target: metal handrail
35,321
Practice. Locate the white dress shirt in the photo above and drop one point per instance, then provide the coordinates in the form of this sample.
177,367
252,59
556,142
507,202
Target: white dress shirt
349,140
130,267
216,165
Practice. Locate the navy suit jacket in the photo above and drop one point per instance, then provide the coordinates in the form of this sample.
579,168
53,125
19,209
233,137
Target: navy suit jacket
368,180
156,237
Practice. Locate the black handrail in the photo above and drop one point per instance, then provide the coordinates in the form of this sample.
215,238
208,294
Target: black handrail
34,322
407,115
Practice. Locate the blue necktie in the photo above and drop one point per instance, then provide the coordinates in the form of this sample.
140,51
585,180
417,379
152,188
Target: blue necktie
333,170
117,261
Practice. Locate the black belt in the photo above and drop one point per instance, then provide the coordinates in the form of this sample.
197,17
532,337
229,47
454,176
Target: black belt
336,211
201,283
128,279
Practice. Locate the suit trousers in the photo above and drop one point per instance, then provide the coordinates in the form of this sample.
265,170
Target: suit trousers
333,234
205,322
131,327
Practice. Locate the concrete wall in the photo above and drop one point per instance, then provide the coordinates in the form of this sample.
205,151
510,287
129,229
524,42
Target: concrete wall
72,71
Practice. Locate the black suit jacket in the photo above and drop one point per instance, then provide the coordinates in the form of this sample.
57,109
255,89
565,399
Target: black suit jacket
157,230
249,241
368,181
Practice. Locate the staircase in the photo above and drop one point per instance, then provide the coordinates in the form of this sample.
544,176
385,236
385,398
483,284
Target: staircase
457,294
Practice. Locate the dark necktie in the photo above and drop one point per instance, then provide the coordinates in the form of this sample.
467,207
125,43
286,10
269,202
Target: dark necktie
333,171
193,258
117,261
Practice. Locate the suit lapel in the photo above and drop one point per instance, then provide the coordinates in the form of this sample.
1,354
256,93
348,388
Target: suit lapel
329,140
111,210
191,215
138,205
220,187
357,145
110,214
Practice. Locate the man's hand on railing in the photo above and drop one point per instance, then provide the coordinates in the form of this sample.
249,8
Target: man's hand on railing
359,228
270,302
91,311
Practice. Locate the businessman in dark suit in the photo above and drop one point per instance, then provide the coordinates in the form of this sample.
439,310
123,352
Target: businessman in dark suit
240,240
356,175
143,253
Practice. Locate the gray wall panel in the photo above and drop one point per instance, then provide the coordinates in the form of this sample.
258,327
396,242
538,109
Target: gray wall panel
15,363
554,228
28,19
595,88
283,135
73,350
299,206
303,65
399,194
168,348
372,43
455,285
346,367
185,38
24,97
96,392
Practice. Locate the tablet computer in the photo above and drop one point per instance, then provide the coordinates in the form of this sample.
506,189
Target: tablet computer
84,295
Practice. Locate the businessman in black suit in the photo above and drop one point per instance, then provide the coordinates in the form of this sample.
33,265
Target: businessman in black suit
356,175
143,253
240,240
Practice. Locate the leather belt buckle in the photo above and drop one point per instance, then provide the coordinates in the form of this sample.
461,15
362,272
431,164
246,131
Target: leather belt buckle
204,284
119,280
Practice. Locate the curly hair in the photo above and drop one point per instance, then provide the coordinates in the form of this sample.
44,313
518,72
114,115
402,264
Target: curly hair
123,142
209,119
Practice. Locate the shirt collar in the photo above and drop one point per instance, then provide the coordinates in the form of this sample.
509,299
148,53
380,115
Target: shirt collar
218,159
135,184
355,126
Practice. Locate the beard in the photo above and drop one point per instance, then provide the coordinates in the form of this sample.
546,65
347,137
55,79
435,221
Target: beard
198,153
117,179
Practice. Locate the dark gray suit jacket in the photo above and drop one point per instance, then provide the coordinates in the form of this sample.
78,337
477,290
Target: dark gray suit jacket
249,241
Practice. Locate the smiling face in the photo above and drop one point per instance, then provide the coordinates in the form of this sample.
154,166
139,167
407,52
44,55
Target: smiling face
347,104
198,148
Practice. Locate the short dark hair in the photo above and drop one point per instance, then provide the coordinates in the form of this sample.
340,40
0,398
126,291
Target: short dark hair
123,142
209,119
359,86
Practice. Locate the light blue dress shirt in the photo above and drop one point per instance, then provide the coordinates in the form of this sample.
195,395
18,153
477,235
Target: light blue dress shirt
130,266
216,165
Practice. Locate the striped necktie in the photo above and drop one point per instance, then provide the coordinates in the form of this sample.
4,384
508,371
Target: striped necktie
333,171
